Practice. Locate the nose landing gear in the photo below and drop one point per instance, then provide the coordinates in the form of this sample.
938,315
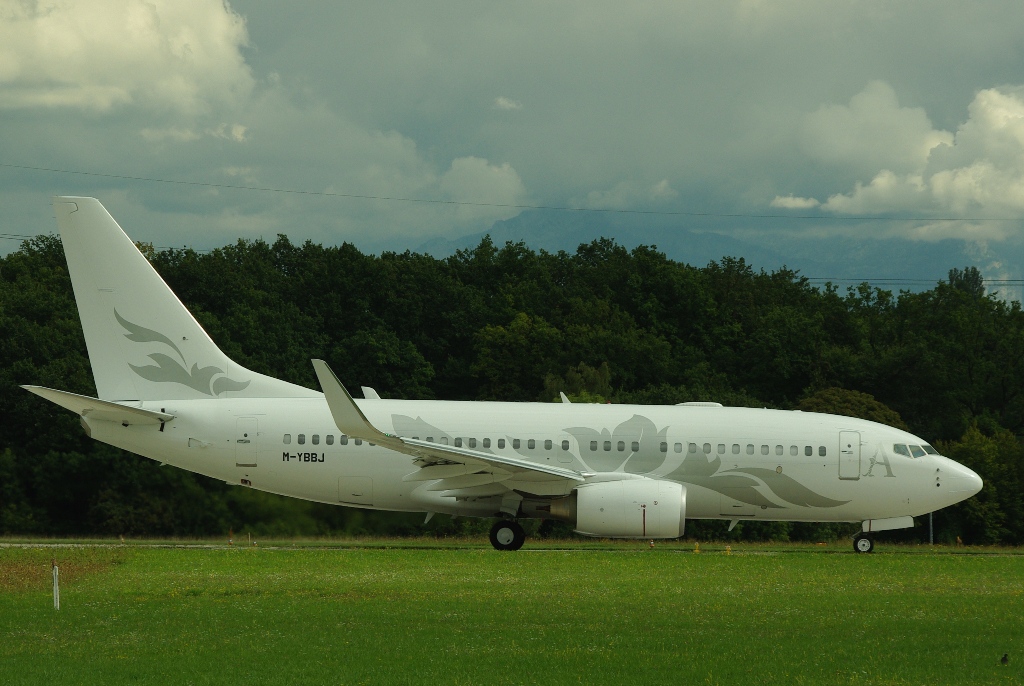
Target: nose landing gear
507,535
862,543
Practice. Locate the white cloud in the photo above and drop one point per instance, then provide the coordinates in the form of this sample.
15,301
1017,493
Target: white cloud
790,202
503,103
629,194
872,132
181,55
976,172
171,133
231,132
475,180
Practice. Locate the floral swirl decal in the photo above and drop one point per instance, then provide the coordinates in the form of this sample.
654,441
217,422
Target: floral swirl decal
168,370
746,484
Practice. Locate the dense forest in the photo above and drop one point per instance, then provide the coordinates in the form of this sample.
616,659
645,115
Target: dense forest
602,324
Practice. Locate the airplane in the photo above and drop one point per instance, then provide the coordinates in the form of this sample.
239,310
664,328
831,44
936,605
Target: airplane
167,392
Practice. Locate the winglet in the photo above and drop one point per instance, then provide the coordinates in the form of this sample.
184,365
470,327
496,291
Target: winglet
565,398
347,415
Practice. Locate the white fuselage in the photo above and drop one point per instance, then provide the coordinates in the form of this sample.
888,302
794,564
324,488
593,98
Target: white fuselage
736,463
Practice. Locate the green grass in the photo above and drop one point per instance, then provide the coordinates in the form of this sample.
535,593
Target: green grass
379,611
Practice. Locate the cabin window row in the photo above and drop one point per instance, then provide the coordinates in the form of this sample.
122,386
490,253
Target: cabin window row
328,439
620,446
736,449
531,443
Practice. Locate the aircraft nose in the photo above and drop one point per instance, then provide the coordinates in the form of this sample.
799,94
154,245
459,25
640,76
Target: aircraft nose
973,481
962,481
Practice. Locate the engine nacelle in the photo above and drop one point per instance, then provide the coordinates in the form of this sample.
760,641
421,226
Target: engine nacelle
632,508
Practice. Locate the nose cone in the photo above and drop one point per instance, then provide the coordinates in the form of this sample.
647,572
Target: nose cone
972,482
958,481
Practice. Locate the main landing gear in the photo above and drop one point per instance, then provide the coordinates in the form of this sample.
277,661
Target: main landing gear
862,543
507,535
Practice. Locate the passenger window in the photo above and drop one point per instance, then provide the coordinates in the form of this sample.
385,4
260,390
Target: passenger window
721,448
330,439
444,440
764,450
607,446
707,448
808,451
501,442
930,450
678,447
343,439
778,450
487,443
593,445
750,448
531,444
664,447
547,444
316,439
916,451
302,439
794,451
472,443
901,449
287,439
516,443
635,447
621,446
692,448
735,448
458,442
821,451
565,445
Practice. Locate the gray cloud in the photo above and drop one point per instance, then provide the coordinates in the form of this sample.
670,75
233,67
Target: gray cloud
730,106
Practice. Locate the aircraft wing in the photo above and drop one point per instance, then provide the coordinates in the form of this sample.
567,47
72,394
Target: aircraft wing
458,468
93,408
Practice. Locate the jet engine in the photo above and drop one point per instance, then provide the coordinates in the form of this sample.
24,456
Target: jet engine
630,508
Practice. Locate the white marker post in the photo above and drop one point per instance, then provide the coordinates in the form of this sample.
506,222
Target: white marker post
56,587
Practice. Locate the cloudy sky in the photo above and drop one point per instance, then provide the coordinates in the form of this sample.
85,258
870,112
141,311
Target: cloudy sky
910,109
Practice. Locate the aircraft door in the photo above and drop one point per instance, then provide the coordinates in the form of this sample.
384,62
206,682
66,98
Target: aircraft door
849,455
246,431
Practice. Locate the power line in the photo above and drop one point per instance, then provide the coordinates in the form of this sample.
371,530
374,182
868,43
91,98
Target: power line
824,279
560,208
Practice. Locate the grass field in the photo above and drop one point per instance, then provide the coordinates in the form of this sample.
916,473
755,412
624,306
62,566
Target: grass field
427,612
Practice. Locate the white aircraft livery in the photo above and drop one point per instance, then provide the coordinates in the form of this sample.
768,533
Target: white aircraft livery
167,392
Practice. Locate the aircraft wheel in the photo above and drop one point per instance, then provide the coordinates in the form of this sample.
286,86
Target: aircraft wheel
507,535
863,544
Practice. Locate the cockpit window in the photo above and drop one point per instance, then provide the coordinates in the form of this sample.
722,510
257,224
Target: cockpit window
901,449
930,450
916,451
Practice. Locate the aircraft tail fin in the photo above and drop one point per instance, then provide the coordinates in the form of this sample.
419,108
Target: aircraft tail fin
143,343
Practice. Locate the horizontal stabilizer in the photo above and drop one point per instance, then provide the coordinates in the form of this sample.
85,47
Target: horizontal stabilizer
102,410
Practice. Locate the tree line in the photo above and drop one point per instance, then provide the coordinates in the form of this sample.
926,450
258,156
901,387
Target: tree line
603,324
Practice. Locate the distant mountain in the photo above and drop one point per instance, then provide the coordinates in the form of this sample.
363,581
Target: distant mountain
916,264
